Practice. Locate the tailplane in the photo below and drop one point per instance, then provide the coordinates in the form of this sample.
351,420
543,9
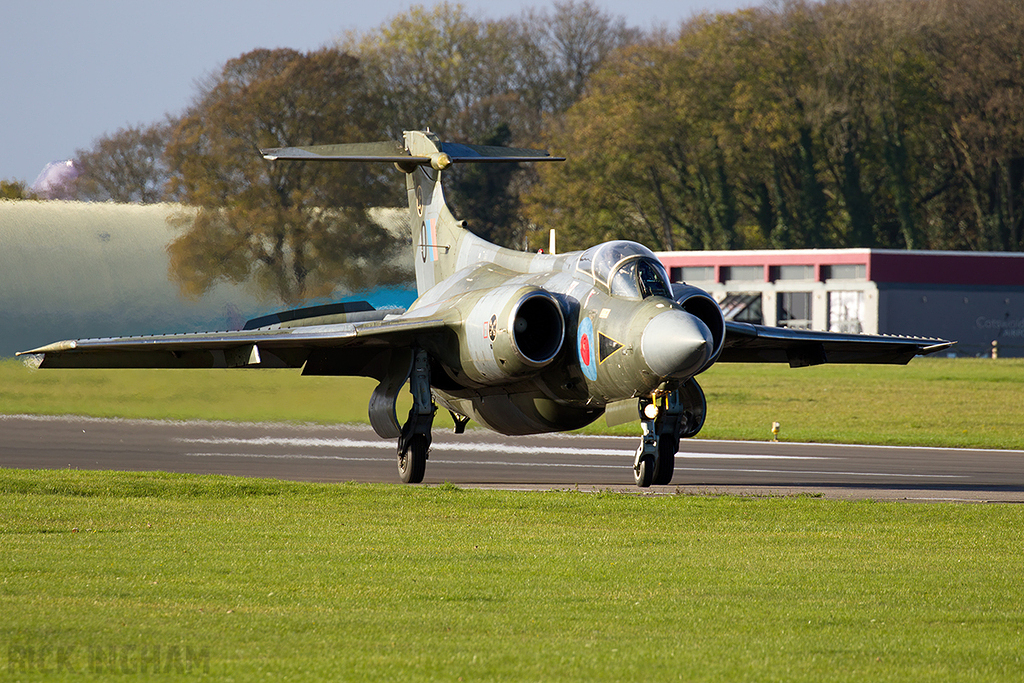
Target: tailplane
438,238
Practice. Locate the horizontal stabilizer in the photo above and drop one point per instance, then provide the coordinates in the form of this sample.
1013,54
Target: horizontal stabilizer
394,152
357,151
484,153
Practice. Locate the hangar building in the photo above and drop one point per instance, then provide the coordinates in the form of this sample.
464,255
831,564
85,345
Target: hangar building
975,298
70,270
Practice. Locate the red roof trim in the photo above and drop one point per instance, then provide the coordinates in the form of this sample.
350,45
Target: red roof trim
912,267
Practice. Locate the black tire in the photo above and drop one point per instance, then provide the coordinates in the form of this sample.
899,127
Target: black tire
644,471
413,465
692,396
666,461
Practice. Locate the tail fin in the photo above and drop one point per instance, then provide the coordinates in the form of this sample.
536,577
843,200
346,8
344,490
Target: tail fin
437,238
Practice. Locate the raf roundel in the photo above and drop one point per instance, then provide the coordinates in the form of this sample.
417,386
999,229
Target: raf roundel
585,349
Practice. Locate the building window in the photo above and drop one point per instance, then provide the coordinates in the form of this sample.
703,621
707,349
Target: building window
845,271
792,272
744,307
693,273
753,273
794,310
846,312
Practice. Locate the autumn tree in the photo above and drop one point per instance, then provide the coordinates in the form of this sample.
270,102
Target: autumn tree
464,76
644,158
440,68
296,230
803,124
978,47
470,79
14,189
127,166
573,39
483,194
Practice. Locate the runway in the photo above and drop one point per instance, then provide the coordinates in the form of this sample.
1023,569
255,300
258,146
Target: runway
482,459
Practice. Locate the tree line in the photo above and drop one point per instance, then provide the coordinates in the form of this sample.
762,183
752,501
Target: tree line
298,230
842,123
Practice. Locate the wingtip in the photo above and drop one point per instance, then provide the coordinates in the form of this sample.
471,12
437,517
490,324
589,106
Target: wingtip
932,348
56,347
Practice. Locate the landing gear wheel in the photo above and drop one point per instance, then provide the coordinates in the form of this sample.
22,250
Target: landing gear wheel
643,471
413,463
666,460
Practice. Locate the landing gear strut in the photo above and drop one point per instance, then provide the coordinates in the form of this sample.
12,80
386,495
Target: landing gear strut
414,441
665,417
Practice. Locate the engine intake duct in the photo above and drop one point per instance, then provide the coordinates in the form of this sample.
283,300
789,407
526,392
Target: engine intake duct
523,331
538,328
702,306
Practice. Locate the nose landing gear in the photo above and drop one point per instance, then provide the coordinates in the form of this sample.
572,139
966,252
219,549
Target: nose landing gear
666,417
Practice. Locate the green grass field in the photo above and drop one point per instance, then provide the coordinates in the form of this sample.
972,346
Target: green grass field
107,573
930,402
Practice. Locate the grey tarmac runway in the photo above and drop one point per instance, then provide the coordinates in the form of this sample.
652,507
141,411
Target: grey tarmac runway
480,458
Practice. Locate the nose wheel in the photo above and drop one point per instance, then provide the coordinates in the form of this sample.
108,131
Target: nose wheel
643,468
655,460
665,418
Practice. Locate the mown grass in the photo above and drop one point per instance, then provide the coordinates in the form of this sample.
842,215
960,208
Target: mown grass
962,402
239,395
294,581
933,402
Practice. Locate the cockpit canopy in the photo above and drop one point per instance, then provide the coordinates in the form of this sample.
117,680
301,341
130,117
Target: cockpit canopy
627,269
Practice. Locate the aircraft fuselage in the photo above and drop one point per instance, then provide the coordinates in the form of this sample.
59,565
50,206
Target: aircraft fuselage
548,347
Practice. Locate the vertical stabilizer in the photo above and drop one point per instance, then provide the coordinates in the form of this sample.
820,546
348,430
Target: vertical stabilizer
439,242
435,232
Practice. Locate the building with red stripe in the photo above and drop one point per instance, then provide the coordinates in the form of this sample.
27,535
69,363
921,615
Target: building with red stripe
976,298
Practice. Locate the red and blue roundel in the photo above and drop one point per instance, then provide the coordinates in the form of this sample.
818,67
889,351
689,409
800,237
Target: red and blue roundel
586,349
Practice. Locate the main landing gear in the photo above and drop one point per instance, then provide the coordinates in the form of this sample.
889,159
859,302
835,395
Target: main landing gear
414,441
666,417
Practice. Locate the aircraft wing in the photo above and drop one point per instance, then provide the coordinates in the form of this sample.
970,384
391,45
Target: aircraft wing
360,348
747,343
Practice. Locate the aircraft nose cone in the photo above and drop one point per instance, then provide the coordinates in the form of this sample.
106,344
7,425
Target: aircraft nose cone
676,344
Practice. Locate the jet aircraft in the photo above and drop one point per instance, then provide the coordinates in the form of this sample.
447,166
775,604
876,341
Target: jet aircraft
522,343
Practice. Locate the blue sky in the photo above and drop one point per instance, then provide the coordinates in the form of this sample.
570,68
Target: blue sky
73,70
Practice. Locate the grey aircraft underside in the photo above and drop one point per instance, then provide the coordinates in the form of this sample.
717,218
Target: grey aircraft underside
522,343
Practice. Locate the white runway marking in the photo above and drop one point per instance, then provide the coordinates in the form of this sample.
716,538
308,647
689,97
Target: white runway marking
467,447
289,456
388,458
389,445
813,472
